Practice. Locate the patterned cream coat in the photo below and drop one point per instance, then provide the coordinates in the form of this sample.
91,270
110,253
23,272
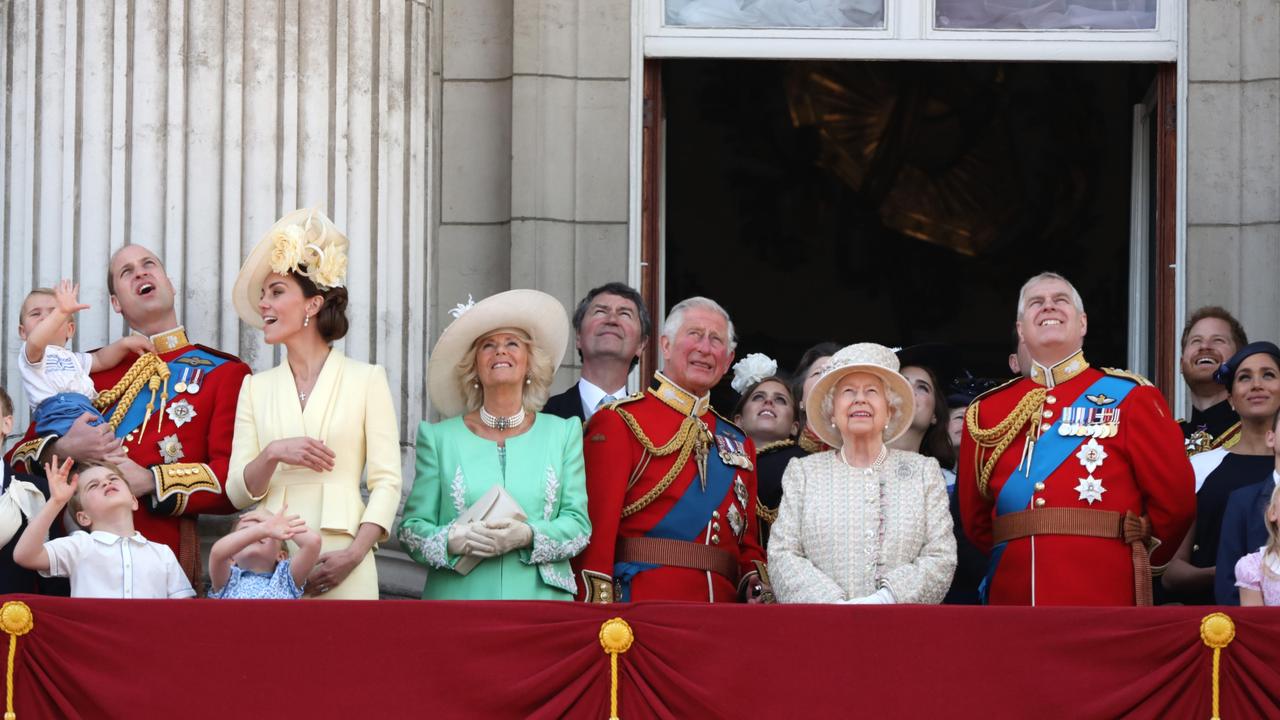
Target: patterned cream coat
844,533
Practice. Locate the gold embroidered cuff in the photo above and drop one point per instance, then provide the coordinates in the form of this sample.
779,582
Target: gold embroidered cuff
29,452
182,479
599,587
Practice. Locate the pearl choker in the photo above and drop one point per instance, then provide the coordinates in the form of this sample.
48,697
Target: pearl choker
501,422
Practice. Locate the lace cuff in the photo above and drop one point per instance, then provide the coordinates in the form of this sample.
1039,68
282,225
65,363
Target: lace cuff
433,548
547,549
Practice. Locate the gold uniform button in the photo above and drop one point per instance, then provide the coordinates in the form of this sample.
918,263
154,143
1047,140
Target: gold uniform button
715,539
1050,399
1040,487
1044,427
1048,414
715,514
715,527
1039,502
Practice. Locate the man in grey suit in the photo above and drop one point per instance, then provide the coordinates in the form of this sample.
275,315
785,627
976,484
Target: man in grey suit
612,326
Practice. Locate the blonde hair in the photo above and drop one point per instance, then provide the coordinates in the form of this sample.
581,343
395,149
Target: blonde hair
22,309
76,504
541,371
1272,548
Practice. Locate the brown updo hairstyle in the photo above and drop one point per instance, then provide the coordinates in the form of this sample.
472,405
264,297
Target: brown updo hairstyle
331,322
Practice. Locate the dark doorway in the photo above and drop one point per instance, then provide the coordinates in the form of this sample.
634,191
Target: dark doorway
898,202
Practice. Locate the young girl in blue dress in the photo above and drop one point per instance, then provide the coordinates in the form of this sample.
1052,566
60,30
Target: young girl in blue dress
253,562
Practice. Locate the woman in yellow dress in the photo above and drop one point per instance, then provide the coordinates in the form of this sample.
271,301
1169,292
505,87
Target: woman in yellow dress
307,429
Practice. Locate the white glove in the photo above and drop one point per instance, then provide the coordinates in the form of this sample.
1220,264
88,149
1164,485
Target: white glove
458,539
883,596
491,539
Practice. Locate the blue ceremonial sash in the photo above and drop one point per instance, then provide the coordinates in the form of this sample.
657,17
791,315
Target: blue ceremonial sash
689,516
193,359
1051,451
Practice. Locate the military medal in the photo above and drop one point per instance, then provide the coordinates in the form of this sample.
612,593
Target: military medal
1090,489
1091,455
740,490
735,520
194,386
181,385
171,449
181,412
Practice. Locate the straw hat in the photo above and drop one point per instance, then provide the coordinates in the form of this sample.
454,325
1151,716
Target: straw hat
870,358
304,241
538,314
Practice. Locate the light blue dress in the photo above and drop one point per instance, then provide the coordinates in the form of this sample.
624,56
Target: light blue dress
246,585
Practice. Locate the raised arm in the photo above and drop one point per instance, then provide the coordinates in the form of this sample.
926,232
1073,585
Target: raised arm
46,332
29,552
105,358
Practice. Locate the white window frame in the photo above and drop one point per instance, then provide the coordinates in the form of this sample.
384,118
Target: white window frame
908,34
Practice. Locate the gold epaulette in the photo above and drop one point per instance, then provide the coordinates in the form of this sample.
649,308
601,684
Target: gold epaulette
623,401
1127,375
726,420
28,453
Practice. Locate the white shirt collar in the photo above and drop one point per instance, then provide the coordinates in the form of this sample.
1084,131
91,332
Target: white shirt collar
108,538
592,395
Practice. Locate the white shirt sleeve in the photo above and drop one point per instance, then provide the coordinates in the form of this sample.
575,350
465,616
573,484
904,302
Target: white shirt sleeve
64,553
178,584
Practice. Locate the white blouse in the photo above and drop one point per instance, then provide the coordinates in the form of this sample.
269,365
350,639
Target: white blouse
844,533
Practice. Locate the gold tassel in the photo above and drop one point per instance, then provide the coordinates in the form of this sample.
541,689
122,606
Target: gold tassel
615,638
16,620
1217,631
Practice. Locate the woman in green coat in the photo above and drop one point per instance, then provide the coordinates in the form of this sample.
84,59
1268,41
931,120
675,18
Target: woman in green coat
490,373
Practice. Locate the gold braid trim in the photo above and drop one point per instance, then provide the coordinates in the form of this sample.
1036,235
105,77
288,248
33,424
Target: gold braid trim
149,371
691,436
998,438
764,513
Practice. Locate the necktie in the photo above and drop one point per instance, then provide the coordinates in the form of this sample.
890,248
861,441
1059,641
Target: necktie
605,401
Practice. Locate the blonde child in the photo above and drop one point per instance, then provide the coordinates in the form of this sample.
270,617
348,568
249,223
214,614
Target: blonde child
253,561
111,559
1258,573
56,379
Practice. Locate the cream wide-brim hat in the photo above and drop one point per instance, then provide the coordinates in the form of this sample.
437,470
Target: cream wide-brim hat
538,314
257,266
870,358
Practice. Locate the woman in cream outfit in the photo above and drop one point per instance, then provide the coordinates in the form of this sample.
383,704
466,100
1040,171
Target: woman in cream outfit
862,524
307,429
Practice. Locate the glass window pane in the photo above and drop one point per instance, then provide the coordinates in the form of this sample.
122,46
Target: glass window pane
1045,14
776,13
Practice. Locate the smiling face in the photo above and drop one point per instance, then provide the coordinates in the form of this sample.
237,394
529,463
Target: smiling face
501,359
860,407
37,307
1050,324
1209,344
100,491
768,414
141,291
1255,392
699,355
284,309
922,386
610,329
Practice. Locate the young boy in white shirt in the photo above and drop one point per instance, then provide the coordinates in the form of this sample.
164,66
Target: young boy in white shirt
56,379
111,560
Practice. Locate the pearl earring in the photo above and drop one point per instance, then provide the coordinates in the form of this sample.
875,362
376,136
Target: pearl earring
475,385
528,381
306,320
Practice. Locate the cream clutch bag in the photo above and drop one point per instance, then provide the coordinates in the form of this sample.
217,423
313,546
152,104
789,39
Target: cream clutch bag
497,504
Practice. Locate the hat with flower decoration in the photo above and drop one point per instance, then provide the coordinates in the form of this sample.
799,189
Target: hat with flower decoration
869,358
306,242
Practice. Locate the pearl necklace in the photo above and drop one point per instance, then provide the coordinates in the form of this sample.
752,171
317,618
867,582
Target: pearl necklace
875,464
500,422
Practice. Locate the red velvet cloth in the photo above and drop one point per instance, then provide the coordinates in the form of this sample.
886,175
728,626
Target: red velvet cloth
198,659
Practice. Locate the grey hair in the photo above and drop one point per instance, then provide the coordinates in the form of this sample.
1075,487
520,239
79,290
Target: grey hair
675,318
1022,294
542,372
895,402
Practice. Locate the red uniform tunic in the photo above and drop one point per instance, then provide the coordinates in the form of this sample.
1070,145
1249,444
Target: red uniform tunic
188,460
1145,471
621,472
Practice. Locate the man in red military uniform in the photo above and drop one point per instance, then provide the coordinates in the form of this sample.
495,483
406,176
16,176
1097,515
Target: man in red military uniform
671,485
174,416
1074,478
